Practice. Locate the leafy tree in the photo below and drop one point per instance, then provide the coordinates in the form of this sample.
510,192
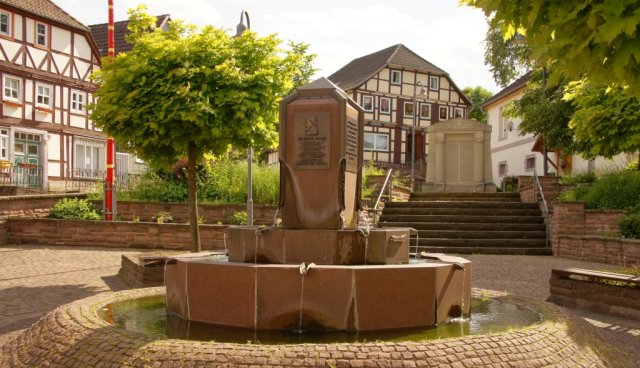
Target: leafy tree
590,38
507,59
478,96
606,118
545,113
189,91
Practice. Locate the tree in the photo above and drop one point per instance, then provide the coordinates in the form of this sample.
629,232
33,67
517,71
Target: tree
590,38
189,91
507,59
607,118
546,114
477,96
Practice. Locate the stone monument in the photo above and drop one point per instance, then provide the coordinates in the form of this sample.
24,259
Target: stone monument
459,157
320,270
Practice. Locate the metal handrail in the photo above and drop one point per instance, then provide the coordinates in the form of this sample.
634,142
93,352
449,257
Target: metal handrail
544,202
384,186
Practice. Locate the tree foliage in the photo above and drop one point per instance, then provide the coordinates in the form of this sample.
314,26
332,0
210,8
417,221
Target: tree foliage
589,38
188,91
478,96
545,113
608,119
507,59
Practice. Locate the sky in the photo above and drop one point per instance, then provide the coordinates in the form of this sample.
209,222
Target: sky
338,31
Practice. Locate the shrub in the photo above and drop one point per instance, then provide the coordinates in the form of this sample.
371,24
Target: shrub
576,194
617,190
630,225
578,178
162,217
74,208
240,218
633,165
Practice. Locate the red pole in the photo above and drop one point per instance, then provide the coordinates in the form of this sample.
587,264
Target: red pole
110,142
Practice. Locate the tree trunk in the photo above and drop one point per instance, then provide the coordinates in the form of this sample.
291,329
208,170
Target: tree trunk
192,199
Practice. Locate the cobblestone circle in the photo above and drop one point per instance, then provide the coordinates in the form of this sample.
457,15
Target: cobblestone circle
74,335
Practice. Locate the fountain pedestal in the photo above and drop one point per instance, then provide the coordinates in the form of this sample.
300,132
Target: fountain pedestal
320,270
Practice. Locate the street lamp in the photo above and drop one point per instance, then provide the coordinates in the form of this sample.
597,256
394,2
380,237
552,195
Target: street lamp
423,91
239,30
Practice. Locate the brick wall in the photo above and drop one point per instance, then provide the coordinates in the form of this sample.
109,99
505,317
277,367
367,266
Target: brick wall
550,187
3,232
31,205
212,213
571,218
117,234
618,251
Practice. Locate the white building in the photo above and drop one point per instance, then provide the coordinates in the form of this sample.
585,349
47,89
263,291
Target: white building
514,154
46,58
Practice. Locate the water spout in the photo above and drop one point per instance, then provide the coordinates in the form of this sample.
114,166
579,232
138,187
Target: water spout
304,269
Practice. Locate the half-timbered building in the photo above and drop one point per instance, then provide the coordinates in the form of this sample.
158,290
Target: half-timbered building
384,83
46,58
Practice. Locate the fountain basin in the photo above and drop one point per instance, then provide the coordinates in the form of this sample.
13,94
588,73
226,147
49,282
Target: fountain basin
341,297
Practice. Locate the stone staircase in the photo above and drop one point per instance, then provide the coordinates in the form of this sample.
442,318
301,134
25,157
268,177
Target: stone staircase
487,223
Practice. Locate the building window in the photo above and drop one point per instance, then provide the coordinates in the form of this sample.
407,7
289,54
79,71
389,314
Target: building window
367,103
458,112
443,113
43,95
4,144
396,77
502,168
408,109
5,23
530,163
78,102
42,34
434,83
425,110
88,162
12,89
376,142
385,105
502,124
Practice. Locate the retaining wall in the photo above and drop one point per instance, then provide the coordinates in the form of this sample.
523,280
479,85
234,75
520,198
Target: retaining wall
31,205
117,234
3,232
618,251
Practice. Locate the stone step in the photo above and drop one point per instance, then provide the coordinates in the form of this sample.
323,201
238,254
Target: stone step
491,243
462,219
486,250
462,204
457,234
462,211
467,226
465,197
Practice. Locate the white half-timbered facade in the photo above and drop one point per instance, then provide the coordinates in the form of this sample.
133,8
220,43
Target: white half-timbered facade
383,83
46,58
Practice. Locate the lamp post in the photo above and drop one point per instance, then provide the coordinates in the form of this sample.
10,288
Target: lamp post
239,30
413,133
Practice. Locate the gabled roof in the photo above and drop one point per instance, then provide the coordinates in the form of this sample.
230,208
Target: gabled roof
516,85
363,68
46,9
99,33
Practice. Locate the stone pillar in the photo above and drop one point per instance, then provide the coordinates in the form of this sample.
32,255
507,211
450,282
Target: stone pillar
439,157
478,174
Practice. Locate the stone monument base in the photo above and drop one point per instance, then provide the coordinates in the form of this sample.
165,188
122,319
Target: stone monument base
438,187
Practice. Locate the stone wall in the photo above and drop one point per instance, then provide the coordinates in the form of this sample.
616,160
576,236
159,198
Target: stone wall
595,296
551,188
31,205
618,251
117,234
137,275
212,213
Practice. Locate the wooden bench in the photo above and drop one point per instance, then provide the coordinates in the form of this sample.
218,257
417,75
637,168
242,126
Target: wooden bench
590,275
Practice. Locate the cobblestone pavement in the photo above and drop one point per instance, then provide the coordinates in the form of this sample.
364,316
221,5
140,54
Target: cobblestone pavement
35,280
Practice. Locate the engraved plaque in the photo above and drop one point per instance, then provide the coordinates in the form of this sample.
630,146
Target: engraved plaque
351,145
312,140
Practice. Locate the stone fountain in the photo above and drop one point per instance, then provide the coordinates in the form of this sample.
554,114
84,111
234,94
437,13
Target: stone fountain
320,270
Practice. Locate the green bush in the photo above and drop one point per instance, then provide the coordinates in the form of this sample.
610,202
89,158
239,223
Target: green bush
576,194
162,217
633,165
616,190
74,208
630,225
578,178
240,218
